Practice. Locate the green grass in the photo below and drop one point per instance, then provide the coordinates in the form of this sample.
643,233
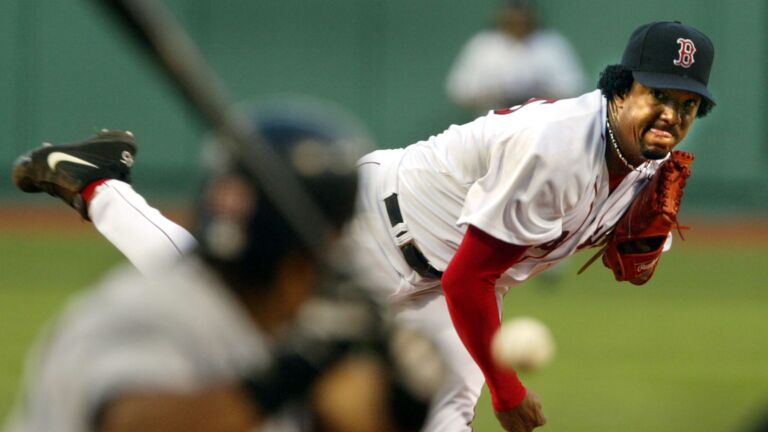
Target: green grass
686,352
38,271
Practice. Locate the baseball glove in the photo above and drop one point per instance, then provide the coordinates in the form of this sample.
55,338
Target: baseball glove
633,248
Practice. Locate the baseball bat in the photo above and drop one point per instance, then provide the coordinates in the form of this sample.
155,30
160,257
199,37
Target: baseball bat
155,29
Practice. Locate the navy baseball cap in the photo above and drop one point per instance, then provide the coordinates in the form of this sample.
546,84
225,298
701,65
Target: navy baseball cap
670,55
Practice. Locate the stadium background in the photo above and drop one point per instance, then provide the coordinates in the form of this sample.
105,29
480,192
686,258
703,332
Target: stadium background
686,352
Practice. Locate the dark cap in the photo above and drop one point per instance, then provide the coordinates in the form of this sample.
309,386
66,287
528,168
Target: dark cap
670,55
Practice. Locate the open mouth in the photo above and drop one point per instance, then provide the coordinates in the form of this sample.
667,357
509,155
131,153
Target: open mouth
659,136
660,133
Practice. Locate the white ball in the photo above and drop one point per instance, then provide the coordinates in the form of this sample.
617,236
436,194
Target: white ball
523,344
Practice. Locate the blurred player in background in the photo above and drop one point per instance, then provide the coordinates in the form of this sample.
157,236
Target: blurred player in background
250,331
513,62
445,226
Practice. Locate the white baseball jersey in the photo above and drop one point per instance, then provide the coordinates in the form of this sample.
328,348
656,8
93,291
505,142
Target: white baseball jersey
531,175
177,333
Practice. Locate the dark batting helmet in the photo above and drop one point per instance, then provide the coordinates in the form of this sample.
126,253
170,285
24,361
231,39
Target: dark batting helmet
241,231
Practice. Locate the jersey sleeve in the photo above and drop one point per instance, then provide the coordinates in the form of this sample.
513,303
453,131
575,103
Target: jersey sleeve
525,193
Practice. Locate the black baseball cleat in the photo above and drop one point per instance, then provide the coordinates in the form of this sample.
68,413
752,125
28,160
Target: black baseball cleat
65,170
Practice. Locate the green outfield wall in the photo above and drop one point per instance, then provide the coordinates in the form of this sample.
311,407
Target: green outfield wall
67,71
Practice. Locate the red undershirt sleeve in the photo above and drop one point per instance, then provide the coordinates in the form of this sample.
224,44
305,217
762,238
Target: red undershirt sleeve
469,284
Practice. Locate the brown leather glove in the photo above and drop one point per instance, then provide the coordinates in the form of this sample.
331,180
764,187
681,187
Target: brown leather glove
635,244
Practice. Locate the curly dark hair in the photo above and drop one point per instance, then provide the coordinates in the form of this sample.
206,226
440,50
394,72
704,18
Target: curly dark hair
616,80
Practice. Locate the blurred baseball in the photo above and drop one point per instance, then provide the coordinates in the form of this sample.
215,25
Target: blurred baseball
524,344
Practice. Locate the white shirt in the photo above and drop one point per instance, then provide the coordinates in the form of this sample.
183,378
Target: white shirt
496,70
177,333
535,175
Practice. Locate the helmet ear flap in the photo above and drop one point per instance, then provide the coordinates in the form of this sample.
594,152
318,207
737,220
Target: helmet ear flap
230,202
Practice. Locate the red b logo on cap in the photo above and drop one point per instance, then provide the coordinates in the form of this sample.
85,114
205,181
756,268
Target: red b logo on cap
685,55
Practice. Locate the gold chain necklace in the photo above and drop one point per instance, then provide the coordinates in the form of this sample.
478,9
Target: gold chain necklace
616,147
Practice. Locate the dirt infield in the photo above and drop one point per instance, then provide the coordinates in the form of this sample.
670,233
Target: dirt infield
705,231
58,218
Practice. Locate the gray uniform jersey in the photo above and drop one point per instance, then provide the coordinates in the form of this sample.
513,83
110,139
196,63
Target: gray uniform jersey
176,332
